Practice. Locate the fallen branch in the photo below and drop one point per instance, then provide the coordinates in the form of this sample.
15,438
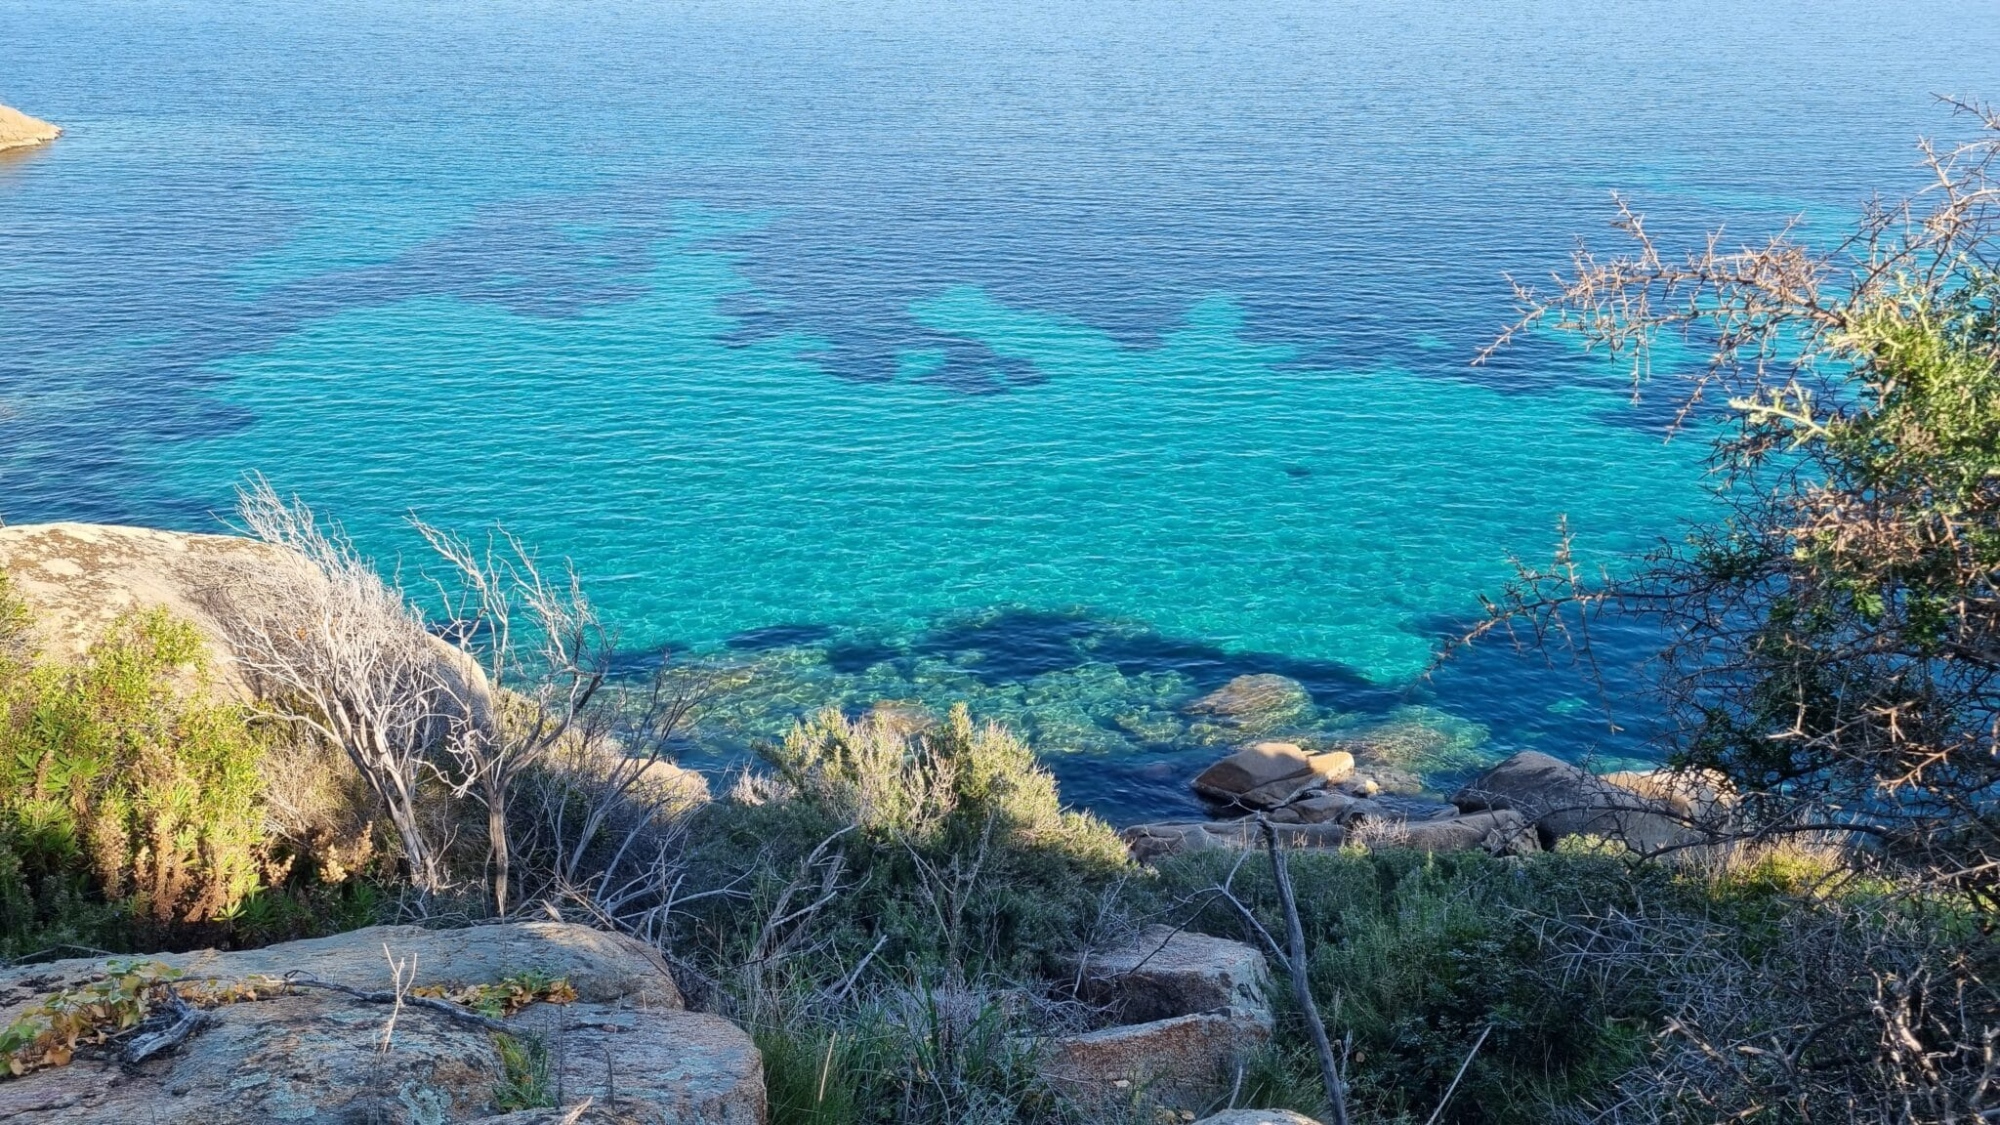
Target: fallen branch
165,1030
443,1007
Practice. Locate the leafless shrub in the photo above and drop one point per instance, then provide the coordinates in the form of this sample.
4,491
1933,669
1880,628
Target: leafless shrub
1845,1012
543,649
339,654
788,926
608,835
1291,958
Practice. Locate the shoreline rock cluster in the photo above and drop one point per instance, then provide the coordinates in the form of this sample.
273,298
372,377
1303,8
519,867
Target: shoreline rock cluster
18,130
1527,803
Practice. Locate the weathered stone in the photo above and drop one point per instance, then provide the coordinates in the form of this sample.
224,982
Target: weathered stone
1334,765
78,579
1191,1007
1251,767
1254,703
18,130
1327,807
316,1055
1499,832
601,966
1395,806
1178,1063
1257,1117
1164,972
1562,800
1156,841
1703,796
1150,843
1265,775
1276,793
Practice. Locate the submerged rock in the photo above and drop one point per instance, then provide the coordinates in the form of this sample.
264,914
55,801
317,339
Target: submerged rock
1254,703
309,1054
18,130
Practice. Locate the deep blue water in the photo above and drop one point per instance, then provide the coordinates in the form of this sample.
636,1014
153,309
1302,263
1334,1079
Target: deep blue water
1066,359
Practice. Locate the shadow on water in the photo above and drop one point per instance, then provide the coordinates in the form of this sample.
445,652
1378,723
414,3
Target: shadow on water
1018,644
778,636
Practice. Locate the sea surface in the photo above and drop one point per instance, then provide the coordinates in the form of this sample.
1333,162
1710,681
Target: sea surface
1067,360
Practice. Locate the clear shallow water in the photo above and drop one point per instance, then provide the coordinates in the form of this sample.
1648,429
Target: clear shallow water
1068,362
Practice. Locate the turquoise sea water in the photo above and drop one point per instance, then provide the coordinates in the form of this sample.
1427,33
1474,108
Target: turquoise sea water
1068,362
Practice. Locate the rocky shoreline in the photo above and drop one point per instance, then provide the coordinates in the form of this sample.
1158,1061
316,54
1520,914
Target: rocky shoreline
297,1029
1530,802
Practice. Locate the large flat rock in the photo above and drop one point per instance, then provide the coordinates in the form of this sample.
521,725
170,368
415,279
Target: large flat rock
602,967
313,1055
1164,972
1180,1063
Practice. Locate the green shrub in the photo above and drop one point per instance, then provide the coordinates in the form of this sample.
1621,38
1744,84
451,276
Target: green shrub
119,775
953,852
894,902
908,1054
1414,955
130,803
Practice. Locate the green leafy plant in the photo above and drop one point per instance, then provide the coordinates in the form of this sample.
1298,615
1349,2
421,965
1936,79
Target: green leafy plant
48,1034
122,780
507,996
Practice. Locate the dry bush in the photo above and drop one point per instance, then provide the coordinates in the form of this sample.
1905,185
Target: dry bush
607,831
318,804
340,654
1846,1010
544,650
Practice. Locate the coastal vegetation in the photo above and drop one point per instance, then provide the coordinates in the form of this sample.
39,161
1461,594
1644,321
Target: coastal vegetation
123,800
901,912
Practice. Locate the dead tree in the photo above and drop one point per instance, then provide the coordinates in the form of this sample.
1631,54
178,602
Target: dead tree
340,654
545,653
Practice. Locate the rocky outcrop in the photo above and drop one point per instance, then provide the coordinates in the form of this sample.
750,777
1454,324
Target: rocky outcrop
1323,801
18,130
1150,843
293,1054
1649,813
1265,775
1190,1007
77,579
1499,832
